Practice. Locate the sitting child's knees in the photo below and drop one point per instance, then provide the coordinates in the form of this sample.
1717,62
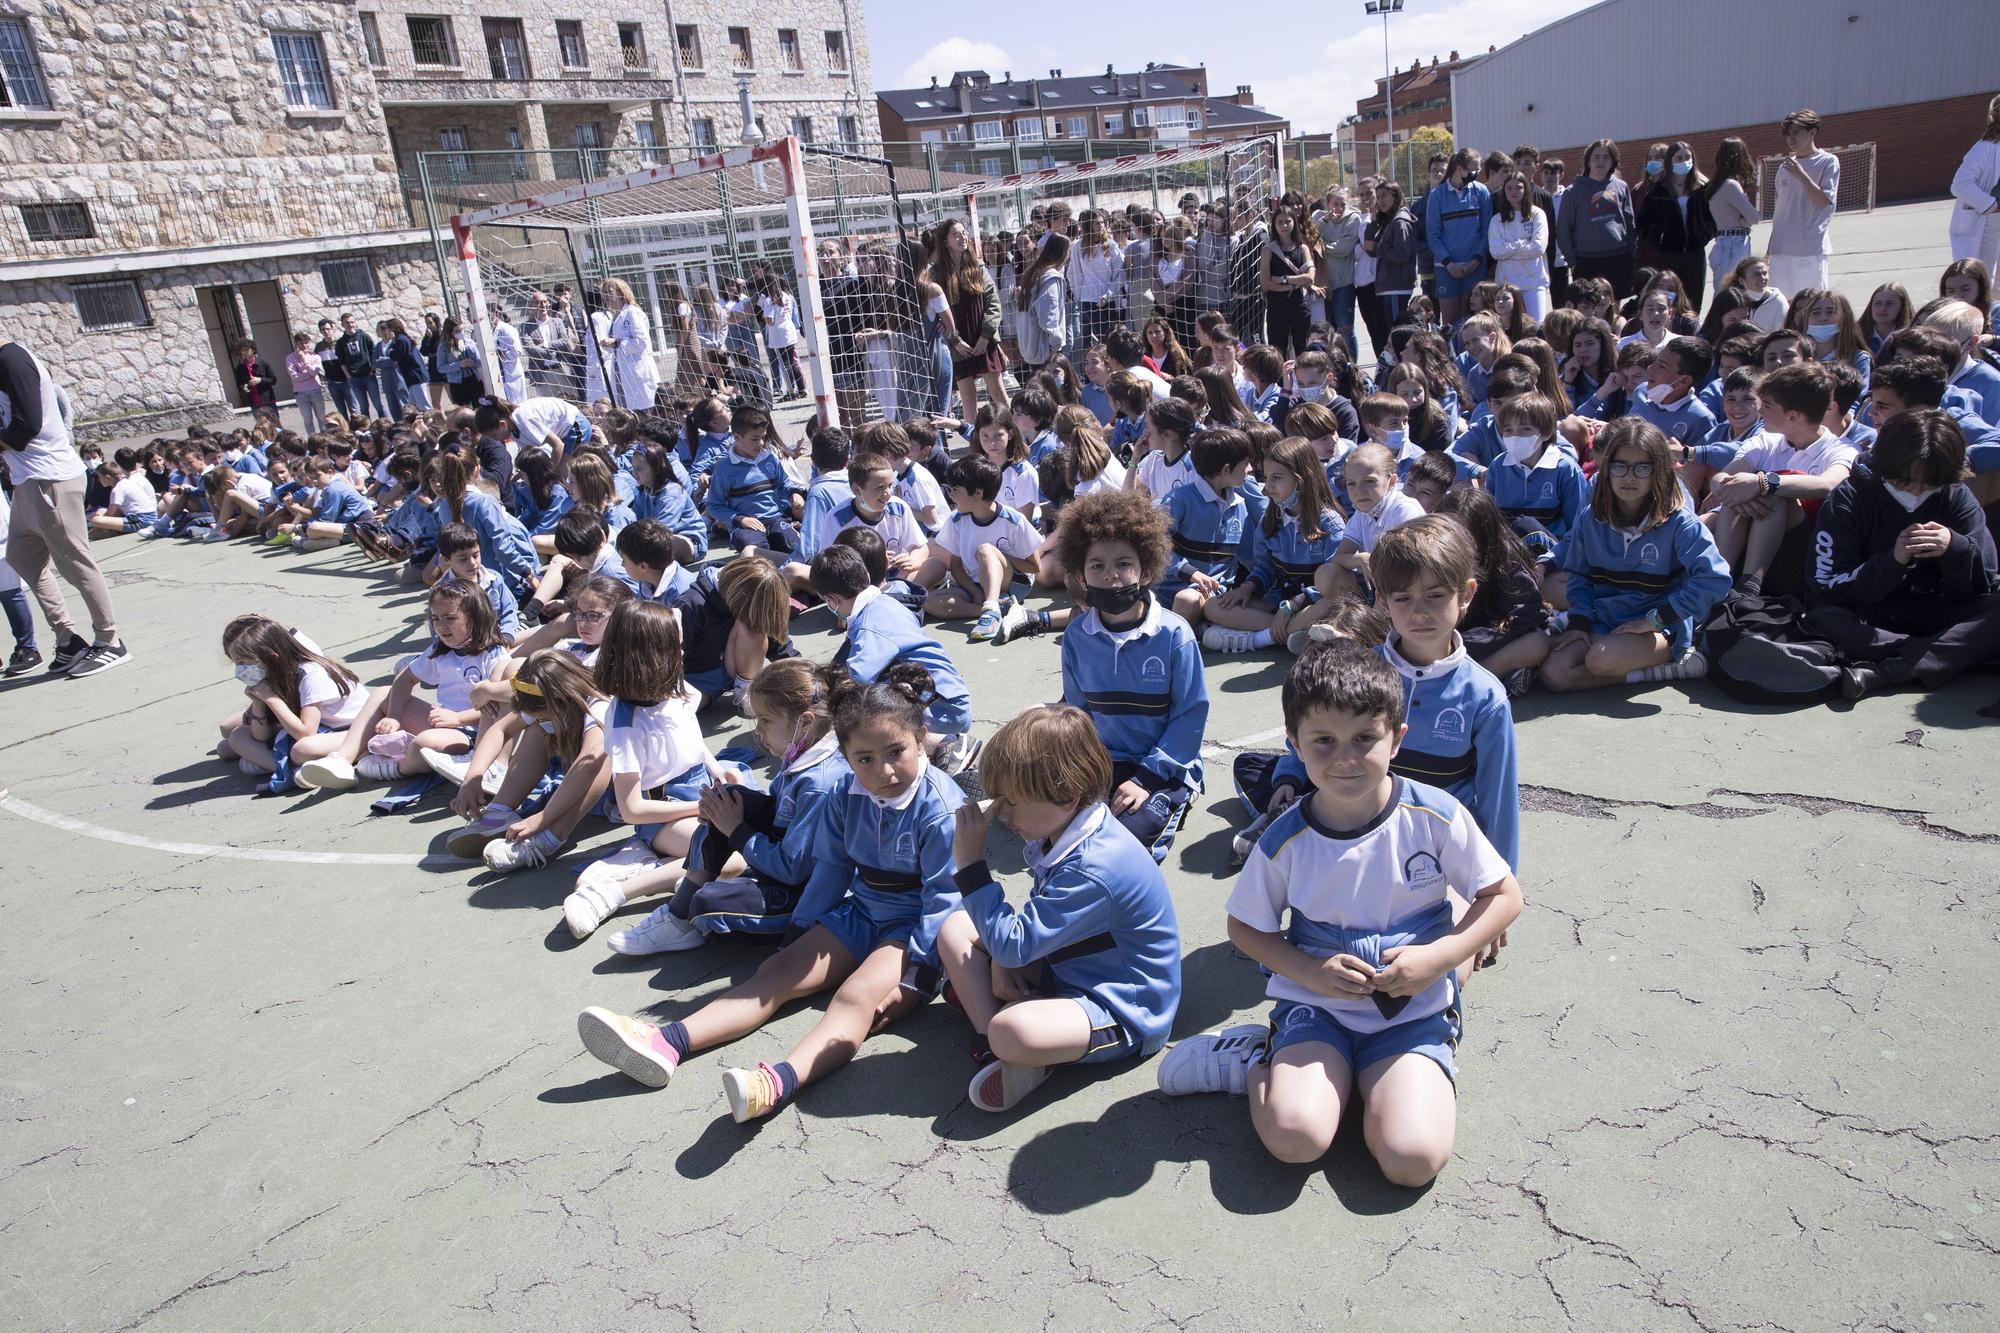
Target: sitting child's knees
1294,1139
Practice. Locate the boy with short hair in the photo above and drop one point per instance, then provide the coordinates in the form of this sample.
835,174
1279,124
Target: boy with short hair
647,550
1379,505
1132,666
1848,386
1481,336
1206,519
1347,901
1785,347
1794,464
1966,326
1430,477
1264,369
335,505
1313,382
458,552
1668,399
583,549
916,486
1035,417
1911,382
978,552
828,491
873,504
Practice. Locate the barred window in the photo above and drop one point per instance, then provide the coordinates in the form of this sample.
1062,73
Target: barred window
21,82
302,70
430,40
347,279
57,222
112,304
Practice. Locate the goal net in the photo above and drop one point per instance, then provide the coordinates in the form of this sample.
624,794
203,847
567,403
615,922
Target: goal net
1856,191
801,276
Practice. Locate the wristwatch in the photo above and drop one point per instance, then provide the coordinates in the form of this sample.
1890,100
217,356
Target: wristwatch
1771,482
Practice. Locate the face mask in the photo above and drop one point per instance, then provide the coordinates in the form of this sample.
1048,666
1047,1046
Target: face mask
231,455
1114,601
1520,448
1653,167
1660,393
250,673
1823,333
1396,439
1683,168
1908,499
1290,504
1312,393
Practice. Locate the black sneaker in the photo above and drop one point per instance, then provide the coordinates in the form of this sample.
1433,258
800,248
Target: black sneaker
99,657
23,661
73,647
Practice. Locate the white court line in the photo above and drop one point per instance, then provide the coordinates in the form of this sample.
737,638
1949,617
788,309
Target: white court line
1241,742
28,810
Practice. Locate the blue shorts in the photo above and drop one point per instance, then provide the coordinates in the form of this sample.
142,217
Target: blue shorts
860,934
139,522
680,787
1447,285
711,684
1109,1039
1436,1037
948,716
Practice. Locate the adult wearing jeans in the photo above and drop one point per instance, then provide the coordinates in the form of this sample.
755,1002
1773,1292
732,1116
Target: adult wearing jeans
356,352
1731,208
1392,239
1340,229
308,385
1594,224
47,526
388,375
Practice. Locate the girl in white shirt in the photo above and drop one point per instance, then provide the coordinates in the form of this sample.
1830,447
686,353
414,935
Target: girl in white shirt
1518,238
781,337
293,689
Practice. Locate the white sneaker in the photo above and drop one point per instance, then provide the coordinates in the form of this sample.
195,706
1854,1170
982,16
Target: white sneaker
586,909
1014,623
249,769
451,767
630,858
535,850
957,753
1218,639
662,932
1000,1086
1213,1061
1246,841
332,773
471,840
378,768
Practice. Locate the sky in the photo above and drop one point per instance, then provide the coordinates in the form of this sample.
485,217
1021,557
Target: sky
1313,80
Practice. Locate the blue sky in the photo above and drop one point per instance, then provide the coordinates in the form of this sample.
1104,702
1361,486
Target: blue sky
1313,77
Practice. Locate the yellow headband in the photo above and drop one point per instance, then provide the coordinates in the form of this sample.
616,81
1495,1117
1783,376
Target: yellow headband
529,688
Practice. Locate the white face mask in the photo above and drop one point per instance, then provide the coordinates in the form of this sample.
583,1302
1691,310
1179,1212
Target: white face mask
1661,394
249,673
1908,499
1823,333
1520,448
1312,393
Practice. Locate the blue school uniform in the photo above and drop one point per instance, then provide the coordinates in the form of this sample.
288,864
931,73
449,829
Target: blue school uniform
1686,421
1042,446
1206,529
1461,738
1097,400
1476,377
1861,436
1255,502
505,609
1263,402
1100,924
828,492
1722,445
1125,433
1981,382
339,502
1618,575
1462,468
882,872
1282,564
1144,689
536,517
882,631
1710,397
504,545
709,449
775,841
251,462
673,505
676,580
1553,492
758,488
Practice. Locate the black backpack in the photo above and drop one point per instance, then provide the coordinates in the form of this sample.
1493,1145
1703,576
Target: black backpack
1759,652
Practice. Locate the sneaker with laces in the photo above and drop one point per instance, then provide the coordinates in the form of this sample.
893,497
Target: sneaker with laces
331,773
451,767
999,1086
73,647
99,657
629,1046
1691,665
23,661
1218,639
378,768
585,909
279,539
470,841
987,626
1213,1061
752,1092
1017,622
1519,681
957,753
662,932
537,849
631,857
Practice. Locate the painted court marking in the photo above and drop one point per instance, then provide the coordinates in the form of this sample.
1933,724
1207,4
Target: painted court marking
14,805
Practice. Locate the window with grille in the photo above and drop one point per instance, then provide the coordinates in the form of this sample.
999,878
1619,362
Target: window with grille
302,70
57,222
836,52
569,36
632,45
112,304
802,128
586,135
688,38
348,279
739,48
21,83
371,39
789,54
704,132
452,140
506,48
430,40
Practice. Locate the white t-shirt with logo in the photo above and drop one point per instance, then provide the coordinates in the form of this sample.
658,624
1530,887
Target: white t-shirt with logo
454,674
659,742
1769,452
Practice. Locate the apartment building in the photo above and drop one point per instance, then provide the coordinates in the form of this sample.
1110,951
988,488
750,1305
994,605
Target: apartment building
1028,119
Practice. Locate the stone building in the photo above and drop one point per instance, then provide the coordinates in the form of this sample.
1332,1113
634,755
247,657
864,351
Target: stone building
177,176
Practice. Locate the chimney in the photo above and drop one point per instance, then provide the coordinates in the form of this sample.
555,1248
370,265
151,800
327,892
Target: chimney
1108,71
1454,57
1243,94
933,80
1055,74
964,96
1007,77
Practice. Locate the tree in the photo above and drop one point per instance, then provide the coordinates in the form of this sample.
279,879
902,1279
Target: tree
1408,162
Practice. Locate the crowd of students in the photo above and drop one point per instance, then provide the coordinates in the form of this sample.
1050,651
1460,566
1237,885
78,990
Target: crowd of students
1553,490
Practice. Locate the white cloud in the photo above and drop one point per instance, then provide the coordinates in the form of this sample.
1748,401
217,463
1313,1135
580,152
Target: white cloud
954,53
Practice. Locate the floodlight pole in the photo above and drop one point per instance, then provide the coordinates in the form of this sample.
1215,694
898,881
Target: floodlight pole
1386,8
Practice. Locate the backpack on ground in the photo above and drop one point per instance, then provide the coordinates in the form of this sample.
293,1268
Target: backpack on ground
1759,652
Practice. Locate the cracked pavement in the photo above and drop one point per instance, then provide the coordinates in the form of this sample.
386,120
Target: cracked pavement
1730,1074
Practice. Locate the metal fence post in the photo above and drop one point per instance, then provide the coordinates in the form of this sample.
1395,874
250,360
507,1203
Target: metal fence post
437,237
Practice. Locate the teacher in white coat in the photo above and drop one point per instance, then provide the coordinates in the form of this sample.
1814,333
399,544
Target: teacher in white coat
1975,191
629,348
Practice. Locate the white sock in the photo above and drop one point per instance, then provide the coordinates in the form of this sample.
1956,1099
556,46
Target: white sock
1263,639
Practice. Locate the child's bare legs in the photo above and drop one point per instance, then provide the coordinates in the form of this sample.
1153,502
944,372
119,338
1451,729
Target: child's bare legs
1555,587
355,739
1335,585
1254,614
1731,531
549,587
1304,618
1580,661
316,746
1527,651
1767,534
583,784
670,844
950,603
1409,1118
1696,476
806,966
445,740
1048,565
1296,1101
868,1001
1190,604
743,652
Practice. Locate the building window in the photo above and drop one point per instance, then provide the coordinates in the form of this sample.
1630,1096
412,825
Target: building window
988,129
991,166
1079,127
954,134
586,136
302,70
348,279
1114,124
1194,118
113,304
371,39
648,137
632,45
850,132
802,128
688,38
57,222
1029,128
789,55
569,40
452,141
430,40
704,132
21,83
1139,117
1166,117
836,51
739,48
506,48
520,157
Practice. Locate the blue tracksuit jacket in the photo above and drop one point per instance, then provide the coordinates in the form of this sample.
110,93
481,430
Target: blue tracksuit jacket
895,863
1255,502
504,545
674,506
1618,575
1554,494
537,518
1461,738
828,492
709,449
1098,919
1282,564
1455,221
1207,529
1147,695
883,630
804,792
505,608
758,488
339,502
1476,376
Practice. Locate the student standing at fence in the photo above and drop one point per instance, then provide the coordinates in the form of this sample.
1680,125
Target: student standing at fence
1594,224
1808,184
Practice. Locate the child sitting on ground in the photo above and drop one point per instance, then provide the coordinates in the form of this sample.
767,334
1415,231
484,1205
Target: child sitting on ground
750,494
132,506
1537,484
1365,973
1505,625
980,549
1132,666
296,692
647,550
1777,483
1163,461
1300,529
1205,522
458,552
335,505
1430,477
1088,969
1379,505
880,888
733,619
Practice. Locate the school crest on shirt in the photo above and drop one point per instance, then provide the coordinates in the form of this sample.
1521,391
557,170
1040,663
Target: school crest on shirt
1423,874
905,849
1649,553
1450,725
1548,492
1153,668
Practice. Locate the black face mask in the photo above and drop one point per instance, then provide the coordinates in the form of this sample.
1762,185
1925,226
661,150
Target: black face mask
1114,601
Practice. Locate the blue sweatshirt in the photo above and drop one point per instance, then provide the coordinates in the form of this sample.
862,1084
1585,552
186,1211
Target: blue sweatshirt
1144,689
1098,919
504,545
339,502
1255,502
828,492
537,518
1978,379
1476,376
1461,738
709,449
674,506
1618,575
1554,492
1207,529
881,631
1042,446
1455,221
896,863
1282,564
505,609
758,488
804,791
